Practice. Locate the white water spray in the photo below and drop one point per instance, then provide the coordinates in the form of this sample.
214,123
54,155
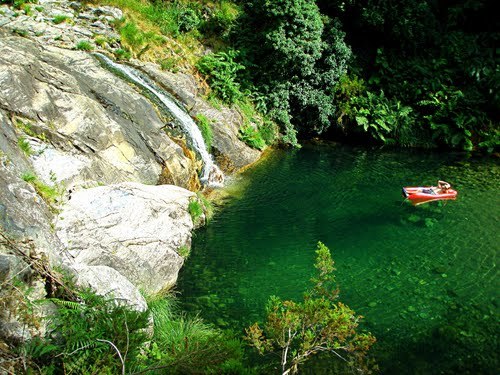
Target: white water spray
211,174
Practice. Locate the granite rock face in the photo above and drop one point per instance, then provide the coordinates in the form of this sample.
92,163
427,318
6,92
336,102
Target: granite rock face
133,228
85,125
68,124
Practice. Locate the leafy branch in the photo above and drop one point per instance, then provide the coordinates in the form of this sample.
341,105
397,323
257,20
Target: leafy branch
300,330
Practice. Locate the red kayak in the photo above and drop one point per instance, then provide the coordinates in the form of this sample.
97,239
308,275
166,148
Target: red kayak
424,194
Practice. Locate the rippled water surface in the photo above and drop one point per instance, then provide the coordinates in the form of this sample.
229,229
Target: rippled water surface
424,278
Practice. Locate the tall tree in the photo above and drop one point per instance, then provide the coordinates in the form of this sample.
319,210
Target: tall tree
296,56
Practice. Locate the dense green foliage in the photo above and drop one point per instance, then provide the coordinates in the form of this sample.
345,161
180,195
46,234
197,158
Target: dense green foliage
415,73
295,58
423,74
95,335
428,70
221,71
252,137
434,62
300,330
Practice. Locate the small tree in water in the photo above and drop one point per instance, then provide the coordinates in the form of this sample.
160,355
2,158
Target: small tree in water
318,324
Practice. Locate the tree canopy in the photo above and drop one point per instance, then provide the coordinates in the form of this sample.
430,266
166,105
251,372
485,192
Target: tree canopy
414,73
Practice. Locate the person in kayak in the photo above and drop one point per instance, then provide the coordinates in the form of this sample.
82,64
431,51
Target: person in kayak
443,187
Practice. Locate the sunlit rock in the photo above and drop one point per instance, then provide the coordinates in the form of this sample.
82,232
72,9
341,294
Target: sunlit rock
135,229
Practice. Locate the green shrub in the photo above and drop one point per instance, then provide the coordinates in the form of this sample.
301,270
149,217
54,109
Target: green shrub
206,130
319,323
84,45
221,19
295,57
268,131
381,117
188,20
221,70
252,137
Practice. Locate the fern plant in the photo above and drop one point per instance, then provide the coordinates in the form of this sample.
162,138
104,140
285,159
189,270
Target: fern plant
221,71
94,335
252,137
380,116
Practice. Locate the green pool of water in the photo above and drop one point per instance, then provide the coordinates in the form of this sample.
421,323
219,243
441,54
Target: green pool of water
424,278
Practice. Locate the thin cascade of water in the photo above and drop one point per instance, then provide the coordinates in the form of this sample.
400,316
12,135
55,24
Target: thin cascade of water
211,174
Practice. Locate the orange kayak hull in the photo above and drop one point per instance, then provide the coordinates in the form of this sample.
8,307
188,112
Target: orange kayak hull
424,194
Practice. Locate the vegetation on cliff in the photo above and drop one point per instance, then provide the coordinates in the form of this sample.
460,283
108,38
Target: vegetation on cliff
418,74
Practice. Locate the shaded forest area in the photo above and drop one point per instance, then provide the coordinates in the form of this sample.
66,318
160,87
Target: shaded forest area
410,73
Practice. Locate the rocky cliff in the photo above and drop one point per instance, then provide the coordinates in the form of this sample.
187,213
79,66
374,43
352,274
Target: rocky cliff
90,170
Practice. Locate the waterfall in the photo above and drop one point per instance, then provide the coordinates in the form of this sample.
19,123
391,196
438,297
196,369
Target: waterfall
211,174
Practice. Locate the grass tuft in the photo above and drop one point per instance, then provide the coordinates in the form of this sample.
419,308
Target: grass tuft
84,45
205,126
25,146
60,18
195,210
50,194
184,251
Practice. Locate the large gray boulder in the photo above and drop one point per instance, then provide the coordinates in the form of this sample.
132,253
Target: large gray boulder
136,229
108,282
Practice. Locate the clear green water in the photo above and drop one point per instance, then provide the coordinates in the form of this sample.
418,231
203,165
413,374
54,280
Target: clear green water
424,278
